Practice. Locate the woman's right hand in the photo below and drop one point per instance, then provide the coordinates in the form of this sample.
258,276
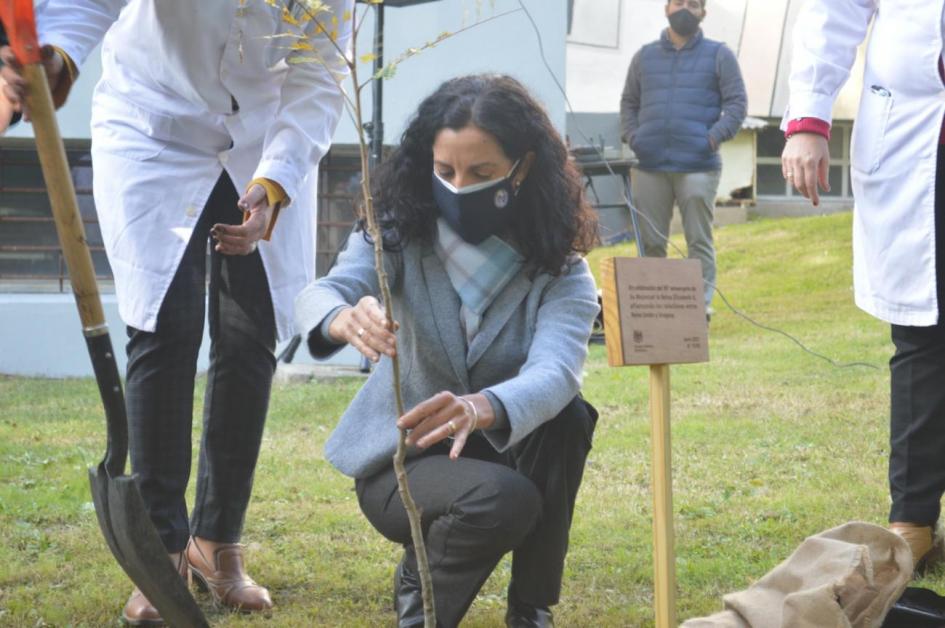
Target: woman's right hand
805,163
365,327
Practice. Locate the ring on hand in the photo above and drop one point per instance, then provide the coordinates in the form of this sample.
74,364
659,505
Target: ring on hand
252,247
788,175
451,427
360,332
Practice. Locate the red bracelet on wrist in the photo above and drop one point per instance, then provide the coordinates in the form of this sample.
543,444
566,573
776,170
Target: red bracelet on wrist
808,125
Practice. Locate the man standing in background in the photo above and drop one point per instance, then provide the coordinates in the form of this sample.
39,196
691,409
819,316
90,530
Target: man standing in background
683,97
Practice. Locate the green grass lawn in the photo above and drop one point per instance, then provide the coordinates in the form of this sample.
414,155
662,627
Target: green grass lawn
770,445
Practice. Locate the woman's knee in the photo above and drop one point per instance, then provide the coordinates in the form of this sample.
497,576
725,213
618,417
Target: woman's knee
516,508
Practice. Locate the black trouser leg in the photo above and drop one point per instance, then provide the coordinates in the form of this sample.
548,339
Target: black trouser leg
553,458
159,394
160,386
917,399
239,380
917,427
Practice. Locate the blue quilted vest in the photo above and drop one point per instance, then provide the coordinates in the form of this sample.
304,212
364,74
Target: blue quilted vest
679,103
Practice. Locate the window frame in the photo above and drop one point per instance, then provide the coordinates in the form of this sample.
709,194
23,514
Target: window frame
569,39
335,218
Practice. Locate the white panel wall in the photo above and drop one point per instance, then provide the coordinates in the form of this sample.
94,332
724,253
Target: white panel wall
758,31
596,75
505,44
76,115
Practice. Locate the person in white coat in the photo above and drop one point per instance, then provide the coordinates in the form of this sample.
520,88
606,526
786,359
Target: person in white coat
898,176
199,101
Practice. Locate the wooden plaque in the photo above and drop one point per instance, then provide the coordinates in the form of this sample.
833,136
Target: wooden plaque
654,311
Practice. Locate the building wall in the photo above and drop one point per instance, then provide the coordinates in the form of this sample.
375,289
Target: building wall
42,337
48,341
758,31
504,43
738,164
76,115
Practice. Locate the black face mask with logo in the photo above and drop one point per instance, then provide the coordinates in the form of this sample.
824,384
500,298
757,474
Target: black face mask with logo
684,22
478,211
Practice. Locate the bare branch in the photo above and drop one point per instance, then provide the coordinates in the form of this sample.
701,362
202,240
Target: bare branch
388,70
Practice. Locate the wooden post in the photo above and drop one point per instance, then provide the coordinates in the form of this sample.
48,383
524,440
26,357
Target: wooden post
664,553
654,315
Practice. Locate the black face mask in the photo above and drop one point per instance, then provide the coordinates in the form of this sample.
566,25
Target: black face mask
684,22
478,211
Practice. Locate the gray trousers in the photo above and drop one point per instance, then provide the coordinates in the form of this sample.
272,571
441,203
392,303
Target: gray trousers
484,504
654,194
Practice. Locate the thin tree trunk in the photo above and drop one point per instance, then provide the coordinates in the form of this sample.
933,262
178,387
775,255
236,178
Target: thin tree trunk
413,513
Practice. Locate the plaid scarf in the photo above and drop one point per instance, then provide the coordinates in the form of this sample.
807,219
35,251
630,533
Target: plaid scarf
478,273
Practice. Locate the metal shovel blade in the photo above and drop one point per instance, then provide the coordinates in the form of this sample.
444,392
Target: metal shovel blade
138,549
121,512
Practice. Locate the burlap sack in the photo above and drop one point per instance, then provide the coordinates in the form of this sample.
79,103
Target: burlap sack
847,577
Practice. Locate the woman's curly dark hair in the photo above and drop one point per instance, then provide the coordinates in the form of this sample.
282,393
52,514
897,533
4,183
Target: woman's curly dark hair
552,219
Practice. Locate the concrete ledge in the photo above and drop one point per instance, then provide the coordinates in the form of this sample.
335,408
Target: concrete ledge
304,373
776,208
723,215
41,336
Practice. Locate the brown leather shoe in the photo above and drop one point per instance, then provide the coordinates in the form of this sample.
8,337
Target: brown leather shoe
139,611
225,578
926,546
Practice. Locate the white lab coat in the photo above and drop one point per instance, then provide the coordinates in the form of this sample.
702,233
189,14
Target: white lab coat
164,129
895,139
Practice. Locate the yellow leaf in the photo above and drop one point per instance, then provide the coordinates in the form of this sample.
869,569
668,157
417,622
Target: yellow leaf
302,45
315,6
288,18
346,16
367,58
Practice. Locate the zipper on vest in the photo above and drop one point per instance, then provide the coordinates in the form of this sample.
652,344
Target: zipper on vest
672,99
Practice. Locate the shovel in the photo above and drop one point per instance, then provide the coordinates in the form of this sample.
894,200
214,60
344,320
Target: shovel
121,513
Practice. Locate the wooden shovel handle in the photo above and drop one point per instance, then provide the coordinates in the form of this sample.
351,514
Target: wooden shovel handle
65,208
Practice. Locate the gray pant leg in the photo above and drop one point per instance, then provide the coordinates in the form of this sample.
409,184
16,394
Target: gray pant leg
695,194
474,512
653,197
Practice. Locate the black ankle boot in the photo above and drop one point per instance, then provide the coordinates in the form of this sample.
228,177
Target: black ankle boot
523,615
408,599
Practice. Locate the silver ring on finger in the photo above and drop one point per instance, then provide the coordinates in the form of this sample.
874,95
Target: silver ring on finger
360,332
451,427
788,175
253,247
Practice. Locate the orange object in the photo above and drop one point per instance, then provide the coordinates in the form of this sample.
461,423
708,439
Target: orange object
20,25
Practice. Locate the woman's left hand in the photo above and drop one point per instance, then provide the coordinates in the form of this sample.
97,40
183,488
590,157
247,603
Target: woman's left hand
242,239
445,415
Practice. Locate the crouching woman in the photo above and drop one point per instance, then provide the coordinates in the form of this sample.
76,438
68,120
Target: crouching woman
484,222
